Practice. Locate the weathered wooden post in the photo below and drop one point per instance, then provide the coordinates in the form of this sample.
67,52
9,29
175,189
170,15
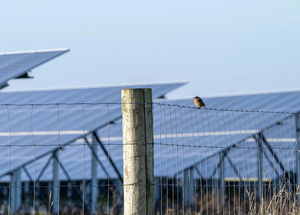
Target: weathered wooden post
138,151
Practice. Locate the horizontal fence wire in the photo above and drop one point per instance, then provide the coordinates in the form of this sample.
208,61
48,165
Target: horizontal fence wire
67,158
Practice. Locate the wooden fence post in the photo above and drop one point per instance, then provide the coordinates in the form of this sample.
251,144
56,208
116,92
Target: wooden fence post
138,151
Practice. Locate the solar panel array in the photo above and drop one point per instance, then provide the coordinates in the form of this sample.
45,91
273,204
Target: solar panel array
29,132
17,64
188,138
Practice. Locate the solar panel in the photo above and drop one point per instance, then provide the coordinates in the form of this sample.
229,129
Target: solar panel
205,140
18,64
40,129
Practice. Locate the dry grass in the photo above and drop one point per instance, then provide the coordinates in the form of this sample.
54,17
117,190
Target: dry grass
283,202
50,203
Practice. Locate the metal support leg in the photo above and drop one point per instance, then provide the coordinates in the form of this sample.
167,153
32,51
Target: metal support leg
5,194
260,167
222,179
37,187
98,160
18,189
297,126
87,192
156,189
69,194
189,187
77,192
94,182
15,191
3,202
12,191
55,184
26,192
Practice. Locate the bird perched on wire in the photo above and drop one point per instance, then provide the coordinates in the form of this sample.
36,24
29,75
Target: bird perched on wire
198,102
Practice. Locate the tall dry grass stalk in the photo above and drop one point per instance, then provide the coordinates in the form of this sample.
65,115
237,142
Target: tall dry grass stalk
50,204
283,202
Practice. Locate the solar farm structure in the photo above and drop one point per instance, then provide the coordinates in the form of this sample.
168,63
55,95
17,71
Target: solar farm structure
66,151
227,159
39,124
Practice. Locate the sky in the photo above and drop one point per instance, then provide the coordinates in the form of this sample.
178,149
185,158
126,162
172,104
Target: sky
219,47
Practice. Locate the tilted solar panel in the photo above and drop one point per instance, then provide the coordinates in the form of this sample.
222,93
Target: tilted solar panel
188,137
29,132
18,64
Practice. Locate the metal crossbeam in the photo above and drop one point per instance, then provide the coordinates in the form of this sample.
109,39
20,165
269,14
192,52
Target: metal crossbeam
109,158
198,171
27,173
44,168
264,140
95,155
228,148
68,143
271,163
40,194
98,160
220,163
234,168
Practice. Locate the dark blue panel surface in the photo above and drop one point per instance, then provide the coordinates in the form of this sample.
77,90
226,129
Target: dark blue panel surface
56,118
13,65
185,138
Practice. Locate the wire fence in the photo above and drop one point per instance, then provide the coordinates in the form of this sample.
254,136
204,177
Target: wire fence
68,159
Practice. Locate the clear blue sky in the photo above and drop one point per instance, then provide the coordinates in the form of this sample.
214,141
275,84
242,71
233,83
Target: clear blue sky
220,47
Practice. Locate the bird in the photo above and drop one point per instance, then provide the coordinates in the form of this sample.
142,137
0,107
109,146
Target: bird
198,102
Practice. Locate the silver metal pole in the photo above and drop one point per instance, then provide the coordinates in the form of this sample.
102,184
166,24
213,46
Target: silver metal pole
222,179
55,169
94,181
13,192
189,187
18,189
260,167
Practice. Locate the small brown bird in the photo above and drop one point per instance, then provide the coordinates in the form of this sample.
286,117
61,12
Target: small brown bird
198,102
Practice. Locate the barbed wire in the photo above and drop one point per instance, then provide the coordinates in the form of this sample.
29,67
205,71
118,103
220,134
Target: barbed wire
153,103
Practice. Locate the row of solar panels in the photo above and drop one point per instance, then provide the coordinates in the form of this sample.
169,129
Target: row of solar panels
185,138
28,132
